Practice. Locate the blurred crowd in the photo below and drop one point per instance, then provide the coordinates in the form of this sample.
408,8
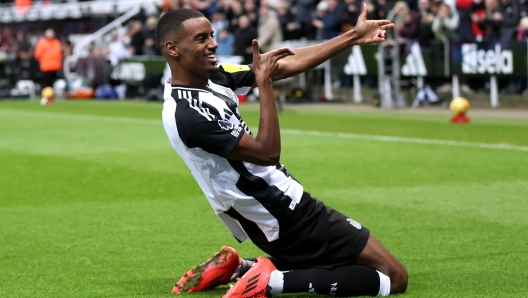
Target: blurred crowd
237,22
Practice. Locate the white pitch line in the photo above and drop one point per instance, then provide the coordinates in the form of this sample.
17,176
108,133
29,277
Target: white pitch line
284,131
403,139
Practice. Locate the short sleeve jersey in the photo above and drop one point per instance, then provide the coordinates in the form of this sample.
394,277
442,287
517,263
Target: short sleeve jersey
204,126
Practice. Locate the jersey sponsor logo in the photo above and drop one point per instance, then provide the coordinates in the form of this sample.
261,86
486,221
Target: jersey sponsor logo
354,223
225,124
236,133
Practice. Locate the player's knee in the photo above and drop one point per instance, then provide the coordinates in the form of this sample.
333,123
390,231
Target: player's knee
399,280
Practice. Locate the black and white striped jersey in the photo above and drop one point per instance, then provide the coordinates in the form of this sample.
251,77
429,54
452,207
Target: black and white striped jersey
204,126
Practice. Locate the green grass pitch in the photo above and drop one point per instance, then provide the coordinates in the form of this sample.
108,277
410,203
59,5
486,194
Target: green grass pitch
94,202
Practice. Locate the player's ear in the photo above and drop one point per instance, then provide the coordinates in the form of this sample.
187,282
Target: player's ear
172,48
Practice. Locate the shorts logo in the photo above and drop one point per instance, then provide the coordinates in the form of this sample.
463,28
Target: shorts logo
226,124
311,289
354,223
333,289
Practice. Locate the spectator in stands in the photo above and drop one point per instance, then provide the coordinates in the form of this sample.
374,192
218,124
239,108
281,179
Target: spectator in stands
445,21
93,68
48,53
117,50
477,12
24,66
269,29
492,21
251,10
317,24
200,5
411,22
233,13
425,31
303,10
244,34
465,31
168,5
289,26
226,41
522,35
224,6
452,4
523,8
413,4
522,29
330,21
67,47
510,17
350,15
218,22
149,34
379,9
397,16
22,42
136,38
6,39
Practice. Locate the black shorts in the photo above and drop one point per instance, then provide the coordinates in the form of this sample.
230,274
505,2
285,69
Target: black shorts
317,237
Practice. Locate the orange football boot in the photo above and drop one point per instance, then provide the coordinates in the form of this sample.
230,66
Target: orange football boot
212,273
254,283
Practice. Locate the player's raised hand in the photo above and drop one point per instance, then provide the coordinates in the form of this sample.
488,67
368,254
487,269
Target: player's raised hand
264,65
371,31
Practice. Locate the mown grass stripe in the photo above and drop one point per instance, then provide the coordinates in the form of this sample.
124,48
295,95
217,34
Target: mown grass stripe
8,112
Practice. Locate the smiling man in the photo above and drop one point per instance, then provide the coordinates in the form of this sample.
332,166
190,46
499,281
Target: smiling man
312,248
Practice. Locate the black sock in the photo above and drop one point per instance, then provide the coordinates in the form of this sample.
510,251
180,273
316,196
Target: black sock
352,280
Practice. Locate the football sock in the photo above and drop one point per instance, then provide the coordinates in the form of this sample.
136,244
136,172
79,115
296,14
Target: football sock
352,280
243,268
276,282
385,284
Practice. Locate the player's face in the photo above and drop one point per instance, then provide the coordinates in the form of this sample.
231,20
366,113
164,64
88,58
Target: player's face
198,47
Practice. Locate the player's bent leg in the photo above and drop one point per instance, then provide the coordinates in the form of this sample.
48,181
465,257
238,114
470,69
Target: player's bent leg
214,272
375,255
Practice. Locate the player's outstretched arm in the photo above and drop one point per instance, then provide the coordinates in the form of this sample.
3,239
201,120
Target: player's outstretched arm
266,147
365,32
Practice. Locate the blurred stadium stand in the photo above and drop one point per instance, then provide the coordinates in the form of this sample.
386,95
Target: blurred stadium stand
110,42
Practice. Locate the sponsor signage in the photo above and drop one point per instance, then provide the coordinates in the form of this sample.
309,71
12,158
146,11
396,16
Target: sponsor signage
358,60
414,64
430,61
503,59
414,60
136,68
468,59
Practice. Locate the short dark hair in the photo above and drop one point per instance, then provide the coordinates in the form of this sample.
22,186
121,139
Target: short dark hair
172,23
